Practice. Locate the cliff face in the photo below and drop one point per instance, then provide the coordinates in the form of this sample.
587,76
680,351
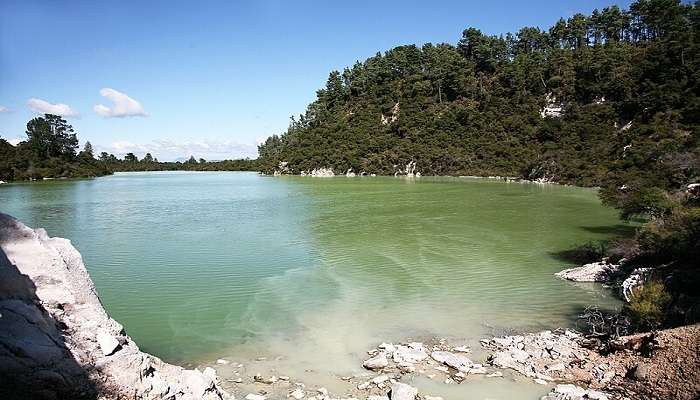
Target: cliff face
58,342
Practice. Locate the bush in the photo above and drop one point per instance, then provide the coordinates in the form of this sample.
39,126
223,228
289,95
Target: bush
675,237
647,307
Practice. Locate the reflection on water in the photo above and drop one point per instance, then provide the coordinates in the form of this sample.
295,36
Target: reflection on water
201,265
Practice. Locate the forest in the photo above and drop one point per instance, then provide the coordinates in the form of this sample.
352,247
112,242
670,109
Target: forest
51,152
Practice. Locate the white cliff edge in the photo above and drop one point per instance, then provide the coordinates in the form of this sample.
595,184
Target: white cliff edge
56,339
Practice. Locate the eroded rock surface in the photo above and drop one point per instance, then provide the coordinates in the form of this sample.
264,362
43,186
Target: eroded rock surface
601,271
58,342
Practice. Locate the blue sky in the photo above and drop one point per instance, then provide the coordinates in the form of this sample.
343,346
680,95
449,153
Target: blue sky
212,78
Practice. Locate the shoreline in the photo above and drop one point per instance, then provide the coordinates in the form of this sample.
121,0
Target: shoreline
102,351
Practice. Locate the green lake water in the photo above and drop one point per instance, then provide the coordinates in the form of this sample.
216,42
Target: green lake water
315,271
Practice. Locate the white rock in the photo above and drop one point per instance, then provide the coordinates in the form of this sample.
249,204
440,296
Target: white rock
210,372
377,362
426,397
297,394
477,369
221,361
405,354
196,382
253,396
322,172
380,379
267,380
455,361
375,397
593,272
540,381
573,392
388,347
402,391
462,349
636,278
108,344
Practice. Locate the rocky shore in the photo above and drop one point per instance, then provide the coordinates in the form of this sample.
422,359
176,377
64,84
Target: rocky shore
58,342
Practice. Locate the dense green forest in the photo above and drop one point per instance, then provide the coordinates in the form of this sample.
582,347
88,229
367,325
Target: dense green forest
50,151
608,99
130,162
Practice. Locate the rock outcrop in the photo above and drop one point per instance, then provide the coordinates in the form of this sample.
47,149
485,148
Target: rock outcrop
58,342
636,279
322,172
601,271
573,392
658,365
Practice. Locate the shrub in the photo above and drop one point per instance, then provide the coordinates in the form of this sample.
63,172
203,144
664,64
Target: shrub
674,237
648,305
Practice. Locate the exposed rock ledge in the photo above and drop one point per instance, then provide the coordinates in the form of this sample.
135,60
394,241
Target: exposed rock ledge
58,342
601,271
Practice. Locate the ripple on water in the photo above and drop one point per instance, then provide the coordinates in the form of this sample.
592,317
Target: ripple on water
196,265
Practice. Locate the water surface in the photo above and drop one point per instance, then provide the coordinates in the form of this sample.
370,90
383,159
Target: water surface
198,266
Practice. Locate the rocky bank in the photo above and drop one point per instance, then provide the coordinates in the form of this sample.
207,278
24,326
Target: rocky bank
58,342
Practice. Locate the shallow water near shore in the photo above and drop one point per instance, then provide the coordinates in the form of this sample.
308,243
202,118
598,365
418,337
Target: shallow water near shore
309,273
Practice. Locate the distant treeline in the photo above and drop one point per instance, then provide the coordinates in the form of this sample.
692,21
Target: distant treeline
131,163
51,151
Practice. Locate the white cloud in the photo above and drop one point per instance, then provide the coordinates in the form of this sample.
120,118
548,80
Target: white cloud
4,109
44,107
124,106
166,149
15,141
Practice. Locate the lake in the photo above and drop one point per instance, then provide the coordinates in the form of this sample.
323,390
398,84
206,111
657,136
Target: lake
312,272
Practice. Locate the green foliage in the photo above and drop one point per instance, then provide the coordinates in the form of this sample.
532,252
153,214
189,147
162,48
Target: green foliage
648,305
51,136
675,238
49,152
626,81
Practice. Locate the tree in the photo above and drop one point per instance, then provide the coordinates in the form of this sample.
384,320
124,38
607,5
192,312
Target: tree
148,158
87,151
131,158
51,136
192,160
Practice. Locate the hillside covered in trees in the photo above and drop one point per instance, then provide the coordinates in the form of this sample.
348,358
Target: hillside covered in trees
626,82
609,99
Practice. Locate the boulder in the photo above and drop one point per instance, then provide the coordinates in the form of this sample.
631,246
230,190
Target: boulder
108,343
456,361
641,371
377,362
406,354
634,280
573,392
402,391
593,272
